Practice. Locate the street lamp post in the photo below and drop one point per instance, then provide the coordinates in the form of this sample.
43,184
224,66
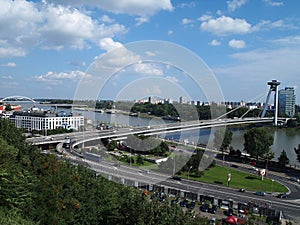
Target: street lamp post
189,171
189,178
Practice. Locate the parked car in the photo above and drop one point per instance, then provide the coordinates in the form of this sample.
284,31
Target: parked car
229,212
174,201
213,209
242,190
260,193
204,208
184,203
191,205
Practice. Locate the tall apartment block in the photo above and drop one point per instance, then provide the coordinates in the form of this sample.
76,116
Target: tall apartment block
287,101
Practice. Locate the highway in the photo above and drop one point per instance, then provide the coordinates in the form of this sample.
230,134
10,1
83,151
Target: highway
124,174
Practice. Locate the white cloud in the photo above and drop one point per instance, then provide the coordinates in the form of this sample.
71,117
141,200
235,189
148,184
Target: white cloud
253,69
235,4
63,24
268,25
133,7
237,43
9,64
265,64
8,77
214,43
289,40
106,19
205,17
172,79
150,54
148,69
170,32
226,25
52,77
24,25
272,3
186,5
8,52
186,21
109,44
141,20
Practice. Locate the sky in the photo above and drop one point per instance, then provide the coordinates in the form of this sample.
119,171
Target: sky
130,49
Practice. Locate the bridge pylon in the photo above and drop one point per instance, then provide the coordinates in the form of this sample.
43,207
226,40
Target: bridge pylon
273,87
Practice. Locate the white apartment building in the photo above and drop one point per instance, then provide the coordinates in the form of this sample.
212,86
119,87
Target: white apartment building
46,120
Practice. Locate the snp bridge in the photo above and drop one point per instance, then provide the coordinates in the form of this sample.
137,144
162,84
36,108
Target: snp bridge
169,128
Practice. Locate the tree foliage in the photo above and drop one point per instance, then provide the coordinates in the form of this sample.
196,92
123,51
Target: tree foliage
41,189
258,142
283,159
223,138
297,151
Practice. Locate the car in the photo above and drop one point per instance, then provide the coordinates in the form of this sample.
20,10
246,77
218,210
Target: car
294,179
255,169
174,201
191,205
145,171
213,209
260,193
282,195
176,178
229,212
184,203
204,208
242,190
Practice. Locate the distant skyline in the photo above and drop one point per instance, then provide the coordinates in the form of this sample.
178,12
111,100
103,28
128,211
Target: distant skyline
48,47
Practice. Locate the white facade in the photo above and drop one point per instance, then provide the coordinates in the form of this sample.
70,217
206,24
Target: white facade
45,121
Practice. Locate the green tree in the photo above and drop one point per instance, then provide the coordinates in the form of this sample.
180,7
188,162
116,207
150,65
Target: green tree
258,142
8,107
291,123
283,159
139,160
222,138
297,151
112,145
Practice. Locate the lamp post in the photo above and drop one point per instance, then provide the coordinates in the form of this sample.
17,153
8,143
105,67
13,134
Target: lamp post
189,171
189,178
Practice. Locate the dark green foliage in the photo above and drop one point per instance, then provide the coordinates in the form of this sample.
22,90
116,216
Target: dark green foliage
147,145
40,189
222,138
258,142
291,123
8,107
283,159
112,145
297,151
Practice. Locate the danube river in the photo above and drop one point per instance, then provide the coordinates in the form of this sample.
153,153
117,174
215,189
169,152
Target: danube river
284,139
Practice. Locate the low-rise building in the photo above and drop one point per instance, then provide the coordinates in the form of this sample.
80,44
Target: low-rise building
46,120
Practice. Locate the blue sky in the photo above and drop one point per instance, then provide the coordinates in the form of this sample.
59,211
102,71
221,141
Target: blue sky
47,47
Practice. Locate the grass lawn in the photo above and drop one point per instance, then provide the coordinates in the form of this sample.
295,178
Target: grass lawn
218,175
